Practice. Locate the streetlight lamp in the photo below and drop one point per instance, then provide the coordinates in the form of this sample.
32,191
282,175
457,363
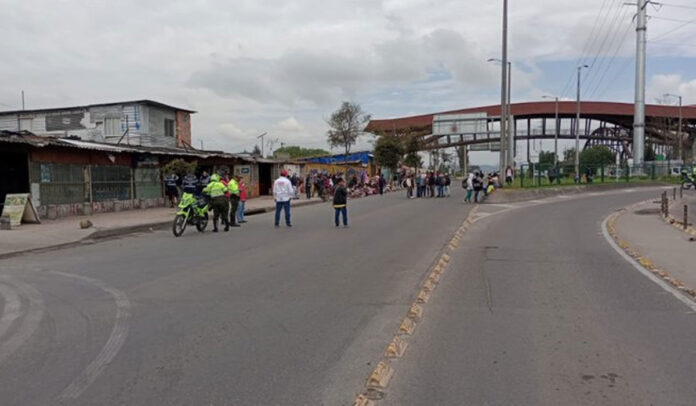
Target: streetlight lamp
555,137
506,114
577,127
679,131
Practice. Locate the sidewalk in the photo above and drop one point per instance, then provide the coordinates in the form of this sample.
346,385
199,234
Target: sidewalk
667,248
66,231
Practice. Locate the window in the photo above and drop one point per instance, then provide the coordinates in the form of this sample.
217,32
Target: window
168,127
112,126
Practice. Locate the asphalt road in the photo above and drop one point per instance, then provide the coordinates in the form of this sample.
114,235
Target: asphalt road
537,309
256,316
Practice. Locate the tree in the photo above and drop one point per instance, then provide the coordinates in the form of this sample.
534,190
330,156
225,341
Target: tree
389,151
413,160
596,156
179,167
411,148
256,151
546,159
298,152
346,125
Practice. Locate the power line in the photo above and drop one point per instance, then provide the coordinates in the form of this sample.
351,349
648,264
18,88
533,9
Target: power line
676,5
590,40
673,30
673,19
619,46
619,71
595,73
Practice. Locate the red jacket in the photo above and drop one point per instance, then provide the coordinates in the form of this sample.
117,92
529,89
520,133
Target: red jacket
225,182
242,191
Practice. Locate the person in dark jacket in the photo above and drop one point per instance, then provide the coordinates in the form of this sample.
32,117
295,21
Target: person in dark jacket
340,202
171,182
190,183
382,183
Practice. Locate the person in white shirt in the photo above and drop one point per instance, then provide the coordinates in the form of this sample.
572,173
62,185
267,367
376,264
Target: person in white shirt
282,194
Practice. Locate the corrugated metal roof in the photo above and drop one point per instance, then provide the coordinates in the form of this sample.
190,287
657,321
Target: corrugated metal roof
141,101
28,138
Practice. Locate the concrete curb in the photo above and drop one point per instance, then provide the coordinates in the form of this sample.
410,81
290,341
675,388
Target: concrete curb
521,195
119,231
676,222
644,262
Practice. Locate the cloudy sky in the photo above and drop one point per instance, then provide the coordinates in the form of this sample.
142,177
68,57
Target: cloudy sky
250,66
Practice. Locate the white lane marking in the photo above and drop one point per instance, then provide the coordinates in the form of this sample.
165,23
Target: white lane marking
664,285
11,310
113,344
29,324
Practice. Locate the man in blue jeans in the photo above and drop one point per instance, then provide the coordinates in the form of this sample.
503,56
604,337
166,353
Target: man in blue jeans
282,194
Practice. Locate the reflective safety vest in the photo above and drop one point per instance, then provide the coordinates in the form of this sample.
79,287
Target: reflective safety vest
215,189
233,187
189,183
170,180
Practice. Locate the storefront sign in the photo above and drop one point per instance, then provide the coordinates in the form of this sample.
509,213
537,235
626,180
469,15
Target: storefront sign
19,208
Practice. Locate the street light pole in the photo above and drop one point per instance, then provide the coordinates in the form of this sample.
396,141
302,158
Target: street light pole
577,127
679,131
555,137
503,91
511,124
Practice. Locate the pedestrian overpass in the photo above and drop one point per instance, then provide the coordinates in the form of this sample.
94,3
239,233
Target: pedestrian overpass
601,123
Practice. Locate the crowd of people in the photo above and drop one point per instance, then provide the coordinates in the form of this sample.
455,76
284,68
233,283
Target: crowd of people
428,184
323,184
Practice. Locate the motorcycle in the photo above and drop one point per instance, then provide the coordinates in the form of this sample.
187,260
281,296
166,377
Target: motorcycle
688,180
192,210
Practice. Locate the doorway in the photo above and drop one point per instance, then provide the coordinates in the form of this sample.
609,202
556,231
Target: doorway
265,179
14,174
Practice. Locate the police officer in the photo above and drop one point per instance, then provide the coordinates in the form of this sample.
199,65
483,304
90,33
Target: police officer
190,183
171,190
233,187
203,181
219,202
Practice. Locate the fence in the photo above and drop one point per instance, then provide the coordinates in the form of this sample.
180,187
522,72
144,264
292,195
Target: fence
60,184
539,175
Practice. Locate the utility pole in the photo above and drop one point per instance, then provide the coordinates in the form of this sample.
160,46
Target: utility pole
577,127
262,138
555,137
639,114
503,91
679,131
22,100
511,124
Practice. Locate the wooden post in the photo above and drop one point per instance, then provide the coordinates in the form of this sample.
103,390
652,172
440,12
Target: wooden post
686,216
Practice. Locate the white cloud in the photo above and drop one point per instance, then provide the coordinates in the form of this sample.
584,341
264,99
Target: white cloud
674,84
251,66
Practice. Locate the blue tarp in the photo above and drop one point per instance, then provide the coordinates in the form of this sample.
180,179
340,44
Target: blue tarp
363,157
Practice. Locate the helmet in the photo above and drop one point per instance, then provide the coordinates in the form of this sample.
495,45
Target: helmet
215,178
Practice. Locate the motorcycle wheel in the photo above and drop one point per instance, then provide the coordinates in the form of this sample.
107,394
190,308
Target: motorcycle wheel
179,225
202,223
686,185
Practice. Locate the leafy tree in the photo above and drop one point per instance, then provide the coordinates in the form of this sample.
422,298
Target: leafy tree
411,147
179,167
388,151
546,159
414,160
346,124
596,156
298,152
256,151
